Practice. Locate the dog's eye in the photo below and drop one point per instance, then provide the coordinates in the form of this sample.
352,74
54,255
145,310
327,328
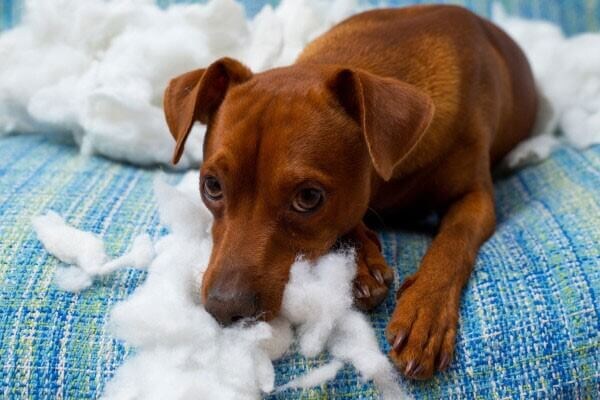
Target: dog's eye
212,188
308,199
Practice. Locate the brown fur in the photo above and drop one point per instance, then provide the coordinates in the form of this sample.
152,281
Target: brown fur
391,110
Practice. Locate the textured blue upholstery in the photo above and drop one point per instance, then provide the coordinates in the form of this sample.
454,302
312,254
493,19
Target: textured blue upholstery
529,316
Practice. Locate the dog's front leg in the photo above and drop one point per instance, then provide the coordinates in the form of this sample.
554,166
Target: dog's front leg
423,326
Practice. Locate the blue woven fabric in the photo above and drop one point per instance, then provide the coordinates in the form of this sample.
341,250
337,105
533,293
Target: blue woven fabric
529,316
573,15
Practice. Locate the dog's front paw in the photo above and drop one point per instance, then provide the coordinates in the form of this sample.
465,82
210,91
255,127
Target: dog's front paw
422,329
373,276
372,283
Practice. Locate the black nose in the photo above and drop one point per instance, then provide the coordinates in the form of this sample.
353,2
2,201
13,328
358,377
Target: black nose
228,308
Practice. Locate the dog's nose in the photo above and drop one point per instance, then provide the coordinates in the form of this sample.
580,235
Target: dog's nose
229,308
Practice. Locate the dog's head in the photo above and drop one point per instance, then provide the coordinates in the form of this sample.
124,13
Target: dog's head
290,159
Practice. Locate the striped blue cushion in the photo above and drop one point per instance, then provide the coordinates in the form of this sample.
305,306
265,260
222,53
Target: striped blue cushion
573,15
529,316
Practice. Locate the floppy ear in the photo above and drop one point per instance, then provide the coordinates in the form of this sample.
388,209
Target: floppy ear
393,115
196,95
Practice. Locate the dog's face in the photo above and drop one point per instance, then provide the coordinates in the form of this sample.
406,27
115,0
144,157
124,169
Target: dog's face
287,171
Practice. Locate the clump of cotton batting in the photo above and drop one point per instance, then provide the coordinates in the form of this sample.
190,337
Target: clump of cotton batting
567,75
96,70
181,351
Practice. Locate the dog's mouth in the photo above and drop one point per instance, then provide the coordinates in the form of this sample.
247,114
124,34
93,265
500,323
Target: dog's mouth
245,322
252,293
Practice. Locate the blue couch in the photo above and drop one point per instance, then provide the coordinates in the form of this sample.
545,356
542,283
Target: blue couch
530,315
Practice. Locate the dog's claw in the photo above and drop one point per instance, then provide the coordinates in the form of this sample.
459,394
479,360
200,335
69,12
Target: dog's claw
418,372
444,362
412,368
378,277
399,341
362,291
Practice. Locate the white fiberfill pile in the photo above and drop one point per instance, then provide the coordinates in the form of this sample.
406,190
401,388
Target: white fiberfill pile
567,73
182,352
98,69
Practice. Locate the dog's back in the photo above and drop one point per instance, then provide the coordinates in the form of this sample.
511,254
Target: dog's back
441,50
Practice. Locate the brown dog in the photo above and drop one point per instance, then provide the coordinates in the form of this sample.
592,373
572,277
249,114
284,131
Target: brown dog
392,110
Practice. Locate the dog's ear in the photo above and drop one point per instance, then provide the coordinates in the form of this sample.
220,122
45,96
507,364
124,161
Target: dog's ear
196,95
393,115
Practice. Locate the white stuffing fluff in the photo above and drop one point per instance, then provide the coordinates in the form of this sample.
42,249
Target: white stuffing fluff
567,74
315,376
85,252
308,286
181,351
97,69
